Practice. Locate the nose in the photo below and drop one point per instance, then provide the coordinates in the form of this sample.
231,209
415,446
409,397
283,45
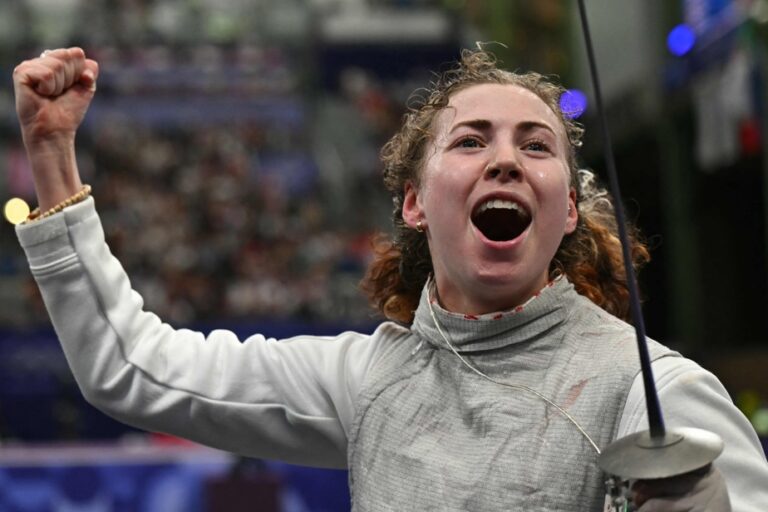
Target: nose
505,166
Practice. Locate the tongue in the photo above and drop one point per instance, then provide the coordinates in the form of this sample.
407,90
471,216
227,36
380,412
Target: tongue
499,224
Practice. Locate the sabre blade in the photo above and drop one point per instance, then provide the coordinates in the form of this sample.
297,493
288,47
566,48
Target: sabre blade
657,452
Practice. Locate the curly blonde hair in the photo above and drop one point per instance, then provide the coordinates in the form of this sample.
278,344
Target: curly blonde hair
590,257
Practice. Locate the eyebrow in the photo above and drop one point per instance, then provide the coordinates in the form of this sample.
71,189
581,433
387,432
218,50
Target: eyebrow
478,124
484,124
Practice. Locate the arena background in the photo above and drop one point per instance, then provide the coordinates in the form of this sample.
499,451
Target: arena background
232,148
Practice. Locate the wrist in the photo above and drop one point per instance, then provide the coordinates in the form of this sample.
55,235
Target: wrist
38,214
37,141
54,171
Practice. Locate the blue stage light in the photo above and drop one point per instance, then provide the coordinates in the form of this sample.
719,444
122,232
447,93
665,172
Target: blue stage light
680,40
573,103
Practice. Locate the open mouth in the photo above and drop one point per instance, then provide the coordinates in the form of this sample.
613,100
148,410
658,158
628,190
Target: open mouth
501,220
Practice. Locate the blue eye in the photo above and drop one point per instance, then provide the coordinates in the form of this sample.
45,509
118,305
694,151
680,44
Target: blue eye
468,142
536,145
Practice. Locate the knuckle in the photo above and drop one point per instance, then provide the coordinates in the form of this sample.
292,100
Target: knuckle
21,67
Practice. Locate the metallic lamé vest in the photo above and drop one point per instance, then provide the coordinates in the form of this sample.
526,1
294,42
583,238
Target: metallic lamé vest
430,434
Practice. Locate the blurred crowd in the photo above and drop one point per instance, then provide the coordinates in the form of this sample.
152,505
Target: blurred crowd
209,230
227,221
229,187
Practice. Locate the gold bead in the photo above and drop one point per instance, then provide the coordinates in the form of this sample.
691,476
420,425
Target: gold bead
80,196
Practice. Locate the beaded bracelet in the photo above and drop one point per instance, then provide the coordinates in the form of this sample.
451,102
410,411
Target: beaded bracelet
80,196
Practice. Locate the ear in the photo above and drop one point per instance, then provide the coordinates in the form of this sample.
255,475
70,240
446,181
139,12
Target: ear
573,213
412,211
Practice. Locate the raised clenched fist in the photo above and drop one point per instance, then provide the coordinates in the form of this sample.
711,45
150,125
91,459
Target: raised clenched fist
53,92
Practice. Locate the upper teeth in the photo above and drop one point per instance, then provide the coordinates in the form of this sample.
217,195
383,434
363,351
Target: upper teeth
499,203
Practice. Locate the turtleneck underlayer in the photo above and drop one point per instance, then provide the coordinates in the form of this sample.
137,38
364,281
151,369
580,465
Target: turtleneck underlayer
477,333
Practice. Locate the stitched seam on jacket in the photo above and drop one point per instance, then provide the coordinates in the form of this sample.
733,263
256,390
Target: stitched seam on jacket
366,401
64,263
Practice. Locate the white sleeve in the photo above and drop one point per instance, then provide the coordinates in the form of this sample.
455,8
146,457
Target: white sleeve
691,396
291,400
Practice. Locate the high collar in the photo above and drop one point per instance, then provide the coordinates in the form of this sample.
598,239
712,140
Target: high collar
477,333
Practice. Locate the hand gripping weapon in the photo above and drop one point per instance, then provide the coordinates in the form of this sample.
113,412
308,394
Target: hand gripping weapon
658,452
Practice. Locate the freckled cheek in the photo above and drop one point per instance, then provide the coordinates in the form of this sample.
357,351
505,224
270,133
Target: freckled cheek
548,170
552,187
446,184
